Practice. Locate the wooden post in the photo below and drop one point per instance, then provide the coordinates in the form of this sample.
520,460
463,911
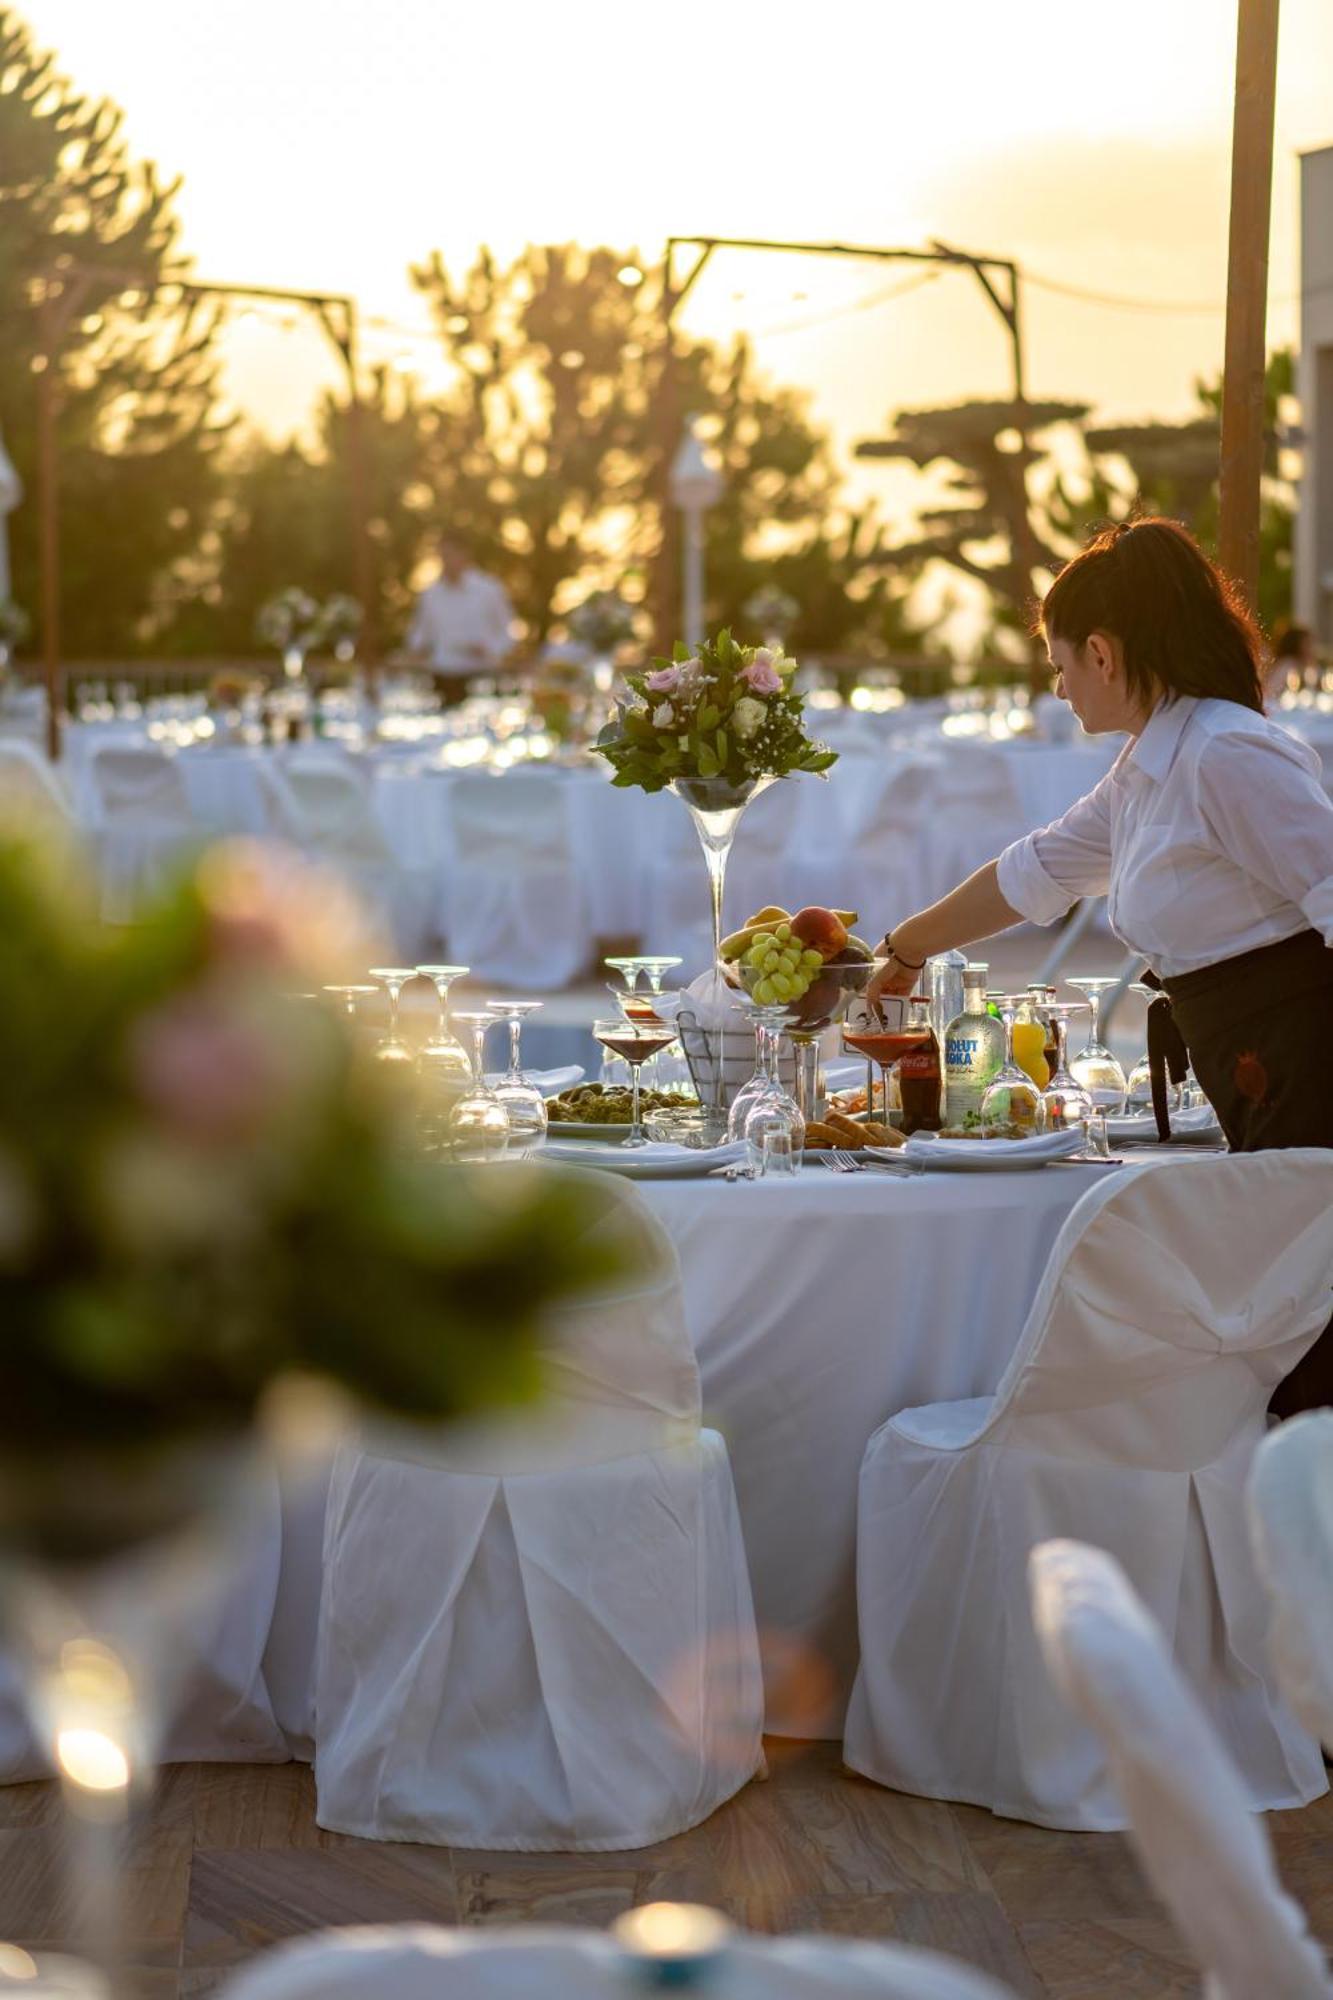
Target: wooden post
1247,293
666,432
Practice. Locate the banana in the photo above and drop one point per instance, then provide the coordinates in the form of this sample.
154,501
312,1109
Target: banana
739,942
772,913
847,917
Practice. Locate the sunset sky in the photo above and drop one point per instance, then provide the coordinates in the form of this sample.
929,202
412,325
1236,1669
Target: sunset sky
326,143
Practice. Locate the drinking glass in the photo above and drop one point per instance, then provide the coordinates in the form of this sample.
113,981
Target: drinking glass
525,1107
629,970
1066,1106
391,1048
636,1041
444,1056
765,1073
1012,1105
1138,1089
773,1129
349,995
478,1123
1099,1072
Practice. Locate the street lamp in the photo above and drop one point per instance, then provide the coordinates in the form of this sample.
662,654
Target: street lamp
696,485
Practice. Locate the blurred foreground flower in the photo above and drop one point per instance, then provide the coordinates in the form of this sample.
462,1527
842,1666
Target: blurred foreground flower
202,1189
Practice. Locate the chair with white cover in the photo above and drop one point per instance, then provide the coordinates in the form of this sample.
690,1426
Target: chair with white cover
537,1632
514,907
322,801
1203,1851
1291,1530
422,1962
1175,1299
145,827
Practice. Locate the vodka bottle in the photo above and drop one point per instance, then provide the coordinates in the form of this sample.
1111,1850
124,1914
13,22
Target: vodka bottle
944,984
973,1052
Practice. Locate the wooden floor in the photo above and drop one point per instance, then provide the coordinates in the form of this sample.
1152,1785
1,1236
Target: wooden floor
229,1859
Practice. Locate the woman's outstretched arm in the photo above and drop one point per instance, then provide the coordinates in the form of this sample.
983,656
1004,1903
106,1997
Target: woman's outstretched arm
975,909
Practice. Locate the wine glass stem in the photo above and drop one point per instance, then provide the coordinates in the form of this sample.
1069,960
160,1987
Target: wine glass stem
479,1053
635,1135
1008,1018
515,1031
393,1012
1061,1036
443,992
1094,1019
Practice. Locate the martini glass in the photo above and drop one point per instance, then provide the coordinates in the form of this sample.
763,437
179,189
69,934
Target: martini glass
1012,1105
525,1107
1066,1106
391,1048
478,1122
614,1072
1099,1072
636,1041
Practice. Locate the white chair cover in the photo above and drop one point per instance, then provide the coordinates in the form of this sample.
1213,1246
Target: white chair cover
319,802
1203,1851
145,826
514,906
420,1962
1175,1300
1291,1529
537,1633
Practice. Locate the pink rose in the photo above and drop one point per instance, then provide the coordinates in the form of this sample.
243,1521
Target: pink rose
663,680
760,674
209,1074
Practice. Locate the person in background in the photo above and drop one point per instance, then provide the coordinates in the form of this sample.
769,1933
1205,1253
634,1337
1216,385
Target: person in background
1293,656
463,622
1211,837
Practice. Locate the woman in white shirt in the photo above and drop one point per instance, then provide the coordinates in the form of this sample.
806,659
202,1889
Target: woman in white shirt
1211,837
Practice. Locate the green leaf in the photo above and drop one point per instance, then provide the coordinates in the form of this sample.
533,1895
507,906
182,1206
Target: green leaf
709,716
708,764
723,747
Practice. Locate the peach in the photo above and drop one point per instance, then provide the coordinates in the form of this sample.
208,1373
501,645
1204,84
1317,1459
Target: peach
822,930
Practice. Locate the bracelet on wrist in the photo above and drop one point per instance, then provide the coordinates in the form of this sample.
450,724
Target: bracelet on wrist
908,964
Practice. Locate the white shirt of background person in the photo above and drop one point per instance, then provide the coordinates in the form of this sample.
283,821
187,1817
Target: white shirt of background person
464,619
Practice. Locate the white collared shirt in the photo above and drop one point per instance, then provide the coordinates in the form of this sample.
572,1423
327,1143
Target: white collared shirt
1210,835
464,625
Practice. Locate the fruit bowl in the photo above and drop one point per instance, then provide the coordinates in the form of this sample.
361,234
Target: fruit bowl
824,1001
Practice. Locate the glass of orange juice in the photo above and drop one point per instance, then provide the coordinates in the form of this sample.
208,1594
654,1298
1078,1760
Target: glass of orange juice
1030,1043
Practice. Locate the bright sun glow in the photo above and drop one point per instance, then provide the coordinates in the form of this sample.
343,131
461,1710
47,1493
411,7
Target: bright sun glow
90,1759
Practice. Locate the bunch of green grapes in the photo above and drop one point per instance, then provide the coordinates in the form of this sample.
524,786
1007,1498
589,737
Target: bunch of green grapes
786,969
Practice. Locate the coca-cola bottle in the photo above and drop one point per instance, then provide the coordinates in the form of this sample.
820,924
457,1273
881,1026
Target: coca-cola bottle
919,1082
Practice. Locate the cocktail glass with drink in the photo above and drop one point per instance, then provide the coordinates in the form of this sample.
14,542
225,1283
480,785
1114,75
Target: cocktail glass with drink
902,1029
635,1042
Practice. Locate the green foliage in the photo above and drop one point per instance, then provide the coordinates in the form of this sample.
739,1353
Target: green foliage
726,713
203,1188
95,234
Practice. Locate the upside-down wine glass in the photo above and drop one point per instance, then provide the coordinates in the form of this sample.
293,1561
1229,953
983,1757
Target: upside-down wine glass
774,1129
349,995
1095,1067
391,1048
1138,1089
478,1122
525,1107
1066,1106
765,1074
444,1056
635,1041
1012,1105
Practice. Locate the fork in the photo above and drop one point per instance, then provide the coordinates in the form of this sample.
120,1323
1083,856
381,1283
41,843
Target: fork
839,1162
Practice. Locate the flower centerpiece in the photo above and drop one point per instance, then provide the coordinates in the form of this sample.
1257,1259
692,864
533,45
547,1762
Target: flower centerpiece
289,622
772,611
205,1191
602,623
717,726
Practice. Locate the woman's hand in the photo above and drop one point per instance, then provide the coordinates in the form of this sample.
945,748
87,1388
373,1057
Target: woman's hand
892,976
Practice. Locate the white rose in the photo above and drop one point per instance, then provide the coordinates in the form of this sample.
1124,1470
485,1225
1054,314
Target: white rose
748,716
663,715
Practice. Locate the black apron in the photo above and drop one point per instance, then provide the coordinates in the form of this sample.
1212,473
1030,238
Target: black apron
1258,1030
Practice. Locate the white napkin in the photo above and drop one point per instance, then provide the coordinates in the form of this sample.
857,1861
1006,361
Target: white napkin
1199,1122
926,1147
657,1152
550,1082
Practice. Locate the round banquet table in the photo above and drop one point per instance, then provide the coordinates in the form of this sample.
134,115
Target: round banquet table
820,1307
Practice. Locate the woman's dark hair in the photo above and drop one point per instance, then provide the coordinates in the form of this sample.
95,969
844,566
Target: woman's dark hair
1182,625
1291,641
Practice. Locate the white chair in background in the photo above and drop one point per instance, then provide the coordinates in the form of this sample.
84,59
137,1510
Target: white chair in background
513,907
1291,1529
980,805
1204,1852
538,1633
316,801
145,828
897,842
1173,1303
421,1962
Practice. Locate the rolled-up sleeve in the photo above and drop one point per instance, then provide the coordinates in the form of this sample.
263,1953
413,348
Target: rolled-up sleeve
1267,808
1044,874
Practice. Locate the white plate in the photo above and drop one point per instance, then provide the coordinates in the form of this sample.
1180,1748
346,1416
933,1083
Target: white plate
649,1163
991,1156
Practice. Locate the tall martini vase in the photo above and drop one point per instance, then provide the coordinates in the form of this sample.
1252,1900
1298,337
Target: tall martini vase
716,807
